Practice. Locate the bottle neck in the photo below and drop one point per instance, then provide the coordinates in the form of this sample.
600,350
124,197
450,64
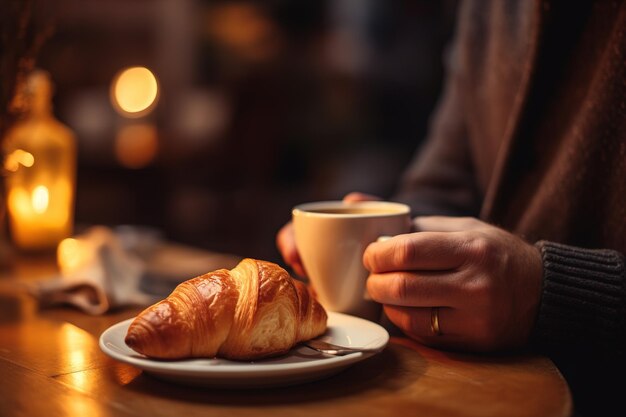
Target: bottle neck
41,107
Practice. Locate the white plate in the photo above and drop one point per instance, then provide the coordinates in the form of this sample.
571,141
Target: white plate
301,364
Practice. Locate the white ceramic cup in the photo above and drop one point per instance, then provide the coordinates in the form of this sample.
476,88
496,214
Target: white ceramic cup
331,237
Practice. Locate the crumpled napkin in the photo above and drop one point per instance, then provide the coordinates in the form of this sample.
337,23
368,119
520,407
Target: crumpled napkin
96,274
104,268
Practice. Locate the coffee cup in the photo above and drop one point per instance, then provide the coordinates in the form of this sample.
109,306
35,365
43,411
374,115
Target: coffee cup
331,237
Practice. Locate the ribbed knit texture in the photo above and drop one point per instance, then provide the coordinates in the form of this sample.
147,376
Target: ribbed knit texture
583,299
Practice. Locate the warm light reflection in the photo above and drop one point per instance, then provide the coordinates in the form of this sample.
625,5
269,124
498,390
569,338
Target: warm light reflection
74,348
64,350
79,380
40,199
81,405
124,375
136,145
134,91
69,254
18,157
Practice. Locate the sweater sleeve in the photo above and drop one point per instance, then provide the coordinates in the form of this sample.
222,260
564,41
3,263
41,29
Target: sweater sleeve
583,302
441,179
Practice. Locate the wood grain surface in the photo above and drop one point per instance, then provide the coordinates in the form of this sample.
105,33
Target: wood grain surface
50,364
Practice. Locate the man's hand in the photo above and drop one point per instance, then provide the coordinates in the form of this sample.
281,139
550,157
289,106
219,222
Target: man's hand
485,281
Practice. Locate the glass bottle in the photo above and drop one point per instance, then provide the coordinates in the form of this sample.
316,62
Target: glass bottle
40,158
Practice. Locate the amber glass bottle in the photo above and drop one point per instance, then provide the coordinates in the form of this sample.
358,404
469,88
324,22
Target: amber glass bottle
40,158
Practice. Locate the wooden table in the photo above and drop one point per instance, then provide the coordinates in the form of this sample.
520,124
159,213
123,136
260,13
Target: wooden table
51,365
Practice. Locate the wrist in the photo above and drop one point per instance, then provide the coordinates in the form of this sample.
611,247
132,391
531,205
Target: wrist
534,283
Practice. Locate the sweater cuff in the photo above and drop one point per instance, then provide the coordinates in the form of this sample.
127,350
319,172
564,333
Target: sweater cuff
582,300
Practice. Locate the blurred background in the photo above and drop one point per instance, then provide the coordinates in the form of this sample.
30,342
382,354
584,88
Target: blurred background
261,105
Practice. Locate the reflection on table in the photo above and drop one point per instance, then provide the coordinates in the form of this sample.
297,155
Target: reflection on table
51,365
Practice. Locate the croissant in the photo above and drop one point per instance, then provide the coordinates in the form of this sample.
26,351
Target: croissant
255,310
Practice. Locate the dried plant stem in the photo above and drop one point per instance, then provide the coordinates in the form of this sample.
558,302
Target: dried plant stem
20,40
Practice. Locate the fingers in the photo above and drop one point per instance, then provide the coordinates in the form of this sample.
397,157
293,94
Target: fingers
286,243
357,196
417,324
441,243
423,289
416,251
457,329
484,281
447,224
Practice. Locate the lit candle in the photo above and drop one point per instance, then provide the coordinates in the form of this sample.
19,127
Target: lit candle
40,218
41,163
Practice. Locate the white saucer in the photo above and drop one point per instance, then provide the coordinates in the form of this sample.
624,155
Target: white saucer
299,365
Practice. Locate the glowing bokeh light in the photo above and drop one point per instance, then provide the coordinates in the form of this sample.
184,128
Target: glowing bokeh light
134,91
18,157
68,254
136,145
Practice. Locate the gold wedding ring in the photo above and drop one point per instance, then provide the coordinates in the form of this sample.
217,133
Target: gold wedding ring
434,321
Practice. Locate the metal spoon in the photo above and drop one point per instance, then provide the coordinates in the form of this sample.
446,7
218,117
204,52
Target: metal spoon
330,349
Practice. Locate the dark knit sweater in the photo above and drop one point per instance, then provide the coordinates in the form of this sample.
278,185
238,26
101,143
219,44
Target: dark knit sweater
530,135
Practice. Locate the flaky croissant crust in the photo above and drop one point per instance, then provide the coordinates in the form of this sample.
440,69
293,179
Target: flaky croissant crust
253,311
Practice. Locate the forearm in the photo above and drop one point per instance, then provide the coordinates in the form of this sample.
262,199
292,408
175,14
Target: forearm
441,180
446,190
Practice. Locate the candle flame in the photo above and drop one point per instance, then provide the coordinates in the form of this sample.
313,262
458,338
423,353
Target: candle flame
40,199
